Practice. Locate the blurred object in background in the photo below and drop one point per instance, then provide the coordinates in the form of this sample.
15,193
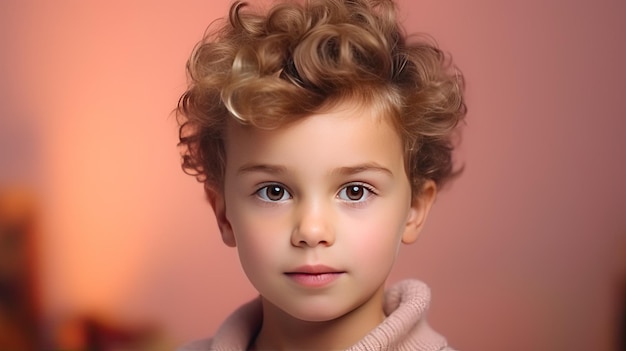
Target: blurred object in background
19,291
22,326
99,334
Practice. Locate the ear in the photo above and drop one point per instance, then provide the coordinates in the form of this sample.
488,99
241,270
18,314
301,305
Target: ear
420,207
216,199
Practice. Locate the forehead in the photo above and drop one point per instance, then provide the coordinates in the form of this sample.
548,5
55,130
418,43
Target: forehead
342,134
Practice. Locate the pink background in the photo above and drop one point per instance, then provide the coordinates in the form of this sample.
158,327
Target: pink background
524,252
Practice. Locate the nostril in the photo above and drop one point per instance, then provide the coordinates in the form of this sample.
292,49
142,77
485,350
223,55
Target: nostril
313,243
312,231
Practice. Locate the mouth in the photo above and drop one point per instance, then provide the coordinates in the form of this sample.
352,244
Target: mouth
314,269
314,276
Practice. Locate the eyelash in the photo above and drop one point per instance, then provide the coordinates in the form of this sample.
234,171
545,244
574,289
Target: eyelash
368,191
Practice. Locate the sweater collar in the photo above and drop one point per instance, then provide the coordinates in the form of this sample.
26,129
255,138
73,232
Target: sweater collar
404,328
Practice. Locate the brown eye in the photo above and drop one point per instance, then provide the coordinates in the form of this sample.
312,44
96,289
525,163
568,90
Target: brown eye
273,193
355,193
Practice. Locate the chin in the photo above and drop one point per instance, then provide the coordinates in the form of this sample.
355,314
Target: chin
315,316
315,312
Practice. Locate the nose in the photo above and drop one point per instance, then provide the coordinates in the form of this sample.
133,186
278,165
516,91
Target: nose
313,226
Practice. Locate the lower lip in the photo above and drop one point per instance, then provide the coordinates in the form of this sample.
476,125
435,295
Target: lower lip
314,280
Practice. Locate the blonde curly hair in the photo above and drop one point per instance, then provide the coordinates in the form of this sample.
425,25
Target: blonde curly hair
299,58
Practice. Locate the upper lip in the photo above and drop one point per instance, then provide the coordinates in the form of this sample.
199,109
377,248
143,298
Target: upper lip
314,269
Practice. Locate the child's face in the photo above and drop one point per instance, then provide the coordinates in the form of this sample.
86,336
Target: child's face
317,210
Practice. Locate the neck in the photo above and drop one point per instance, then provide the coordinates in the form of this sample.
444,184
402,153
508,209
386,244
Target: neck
281,331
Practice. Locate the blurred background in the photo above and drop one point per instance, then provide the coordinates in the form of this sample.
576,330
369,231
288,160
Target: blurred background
105,244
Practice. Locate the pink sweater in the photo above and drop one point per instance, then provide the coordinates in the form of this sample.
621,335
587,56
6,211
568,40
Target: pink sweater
404,329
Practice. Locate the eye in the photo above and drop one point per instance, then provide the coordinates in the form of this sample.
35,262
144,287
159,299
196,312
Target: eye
273,193
355,193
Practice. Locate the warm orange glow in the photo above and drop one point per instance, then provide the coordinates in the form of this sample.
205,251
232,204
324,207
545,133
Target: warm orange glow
522,251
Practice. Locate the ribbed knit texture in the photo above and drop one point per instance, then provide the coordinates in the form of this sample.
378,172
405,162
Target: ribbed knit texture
404,329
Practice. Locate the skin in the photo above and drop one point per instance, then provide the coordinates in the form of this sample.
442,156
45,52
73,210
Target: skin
330,189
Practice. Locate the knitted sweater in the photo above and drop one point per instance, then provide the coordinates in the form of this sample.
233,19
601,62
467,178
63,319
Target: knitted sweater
404,328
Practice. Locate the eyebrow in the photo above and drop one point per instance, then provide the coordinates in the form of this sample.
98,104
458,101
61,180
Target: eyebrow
363,167
263,168
347,170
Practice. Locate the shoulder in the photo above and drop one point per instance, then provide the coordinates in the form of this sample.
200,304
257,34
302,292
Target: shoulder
235,333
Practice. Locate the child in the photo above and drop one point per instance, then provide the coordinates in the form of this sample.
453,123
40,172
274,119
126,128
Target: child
321,135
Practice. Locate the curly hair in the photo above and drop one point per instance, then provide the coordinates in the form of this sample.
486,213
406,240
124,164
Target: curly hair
299,58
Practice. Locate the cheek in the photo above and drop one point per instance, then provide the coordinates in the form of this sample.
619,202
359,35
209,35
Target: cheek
258,240
375,242
257,258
